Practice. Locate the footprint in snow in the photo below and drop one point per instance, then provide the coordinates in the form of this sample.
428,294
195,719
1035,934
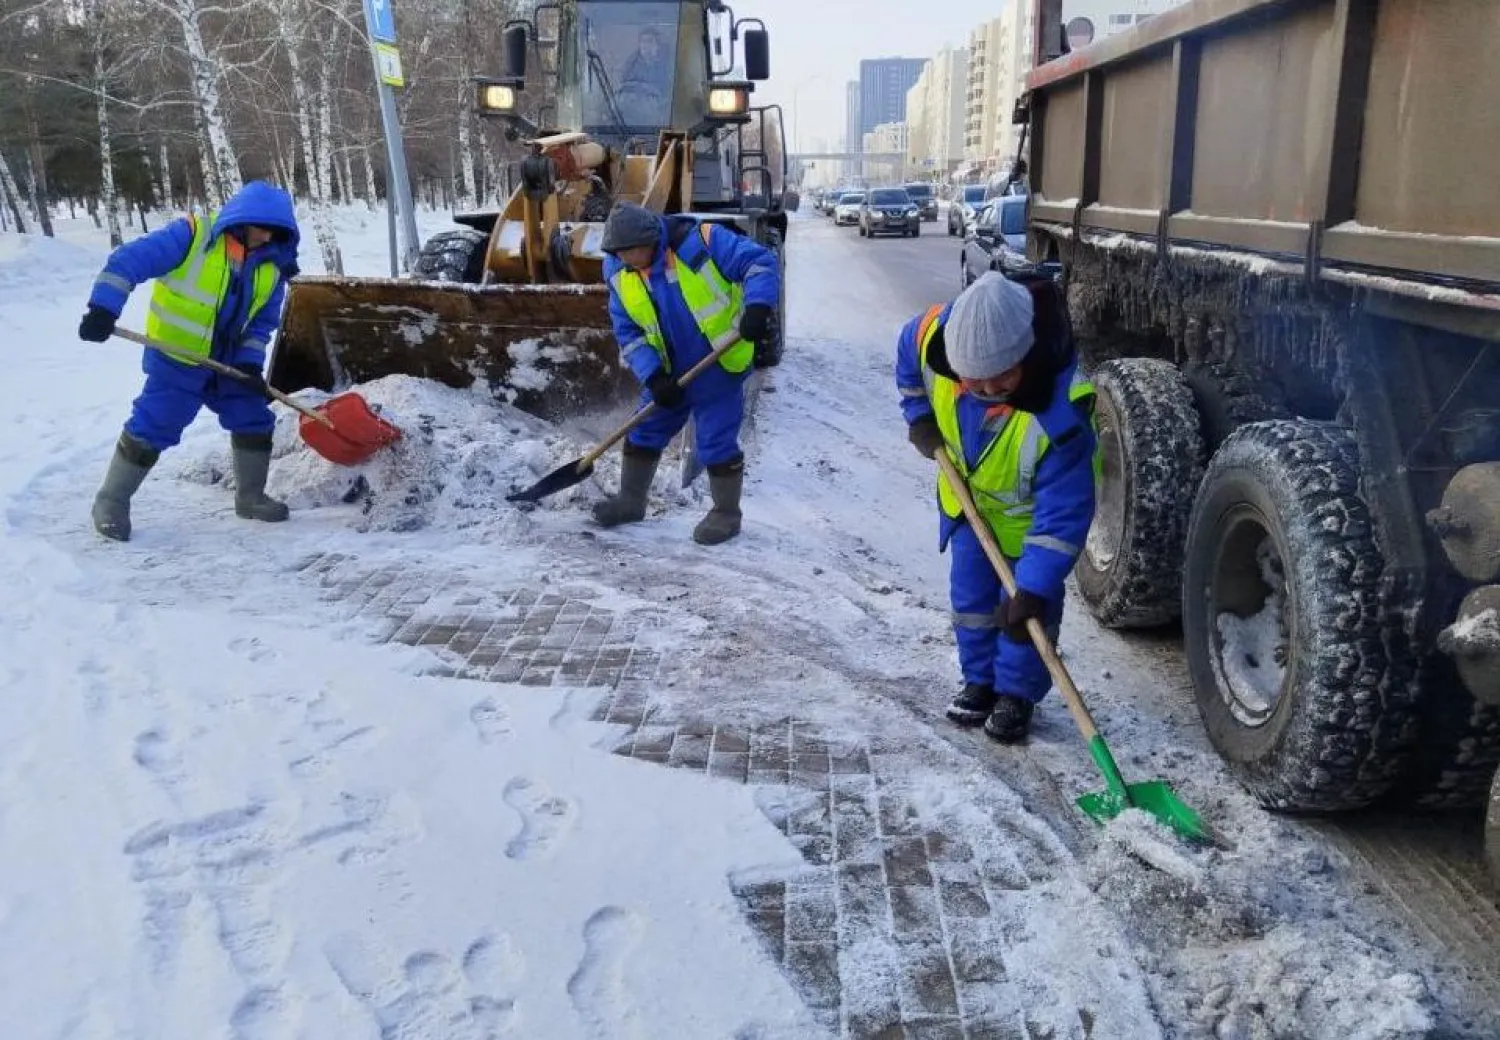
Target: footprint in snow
598,988
490,720
252,649
428,994
264,1014
545,819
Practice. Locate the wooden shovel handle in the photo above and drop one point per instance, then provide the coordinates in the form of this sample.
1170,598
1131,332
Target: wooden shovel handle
635,420
1059,672
223,370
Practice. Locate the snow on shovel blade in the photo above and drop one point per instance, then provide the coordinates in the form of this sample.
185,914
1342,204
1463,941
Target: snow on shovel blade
1156,798
563,477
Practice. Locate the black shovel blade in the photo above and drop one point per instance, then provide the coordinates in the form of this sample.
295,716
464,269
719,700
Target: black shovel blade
563,477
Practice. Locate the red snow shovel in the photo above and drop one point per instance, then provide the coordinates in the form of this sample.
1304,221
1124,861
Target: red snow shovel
1154,796
344,429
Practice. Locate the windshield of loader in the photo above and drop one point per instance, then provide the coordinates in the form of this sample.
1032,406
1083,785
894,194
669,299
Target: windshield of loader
628,63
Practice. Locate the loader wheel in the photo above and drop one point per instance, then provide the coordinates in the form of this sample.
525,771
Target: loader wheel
1300,667
768,354
453,256
1130,572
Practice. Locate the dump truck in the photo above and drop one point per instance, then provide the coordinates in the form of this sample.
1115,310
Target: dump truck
1278,233
634,100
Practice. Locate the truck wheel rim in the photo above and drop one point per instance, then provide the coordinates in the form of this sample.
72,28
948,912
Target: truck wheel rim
1108,529
1250,610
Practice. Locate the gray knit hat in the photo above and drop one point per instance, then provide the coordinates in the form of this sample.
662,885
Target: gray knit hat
629,226
989,328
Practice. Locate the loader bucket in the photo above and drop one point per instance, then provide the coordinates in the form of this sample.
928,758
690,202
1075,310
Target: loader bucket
547,349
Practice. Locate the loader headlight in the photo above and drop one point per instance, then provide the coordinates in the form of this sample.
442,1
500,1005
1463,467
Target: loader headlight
729,101
497,97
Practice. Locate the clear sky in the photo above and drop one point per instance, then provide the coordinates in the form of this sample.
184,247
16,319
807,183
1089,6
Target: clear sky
816,47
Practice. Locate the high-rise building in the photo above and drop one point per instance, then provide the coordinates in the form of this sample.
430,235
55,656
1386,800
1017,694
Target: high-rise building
981,98
935,113
1090,20
853,135
883,83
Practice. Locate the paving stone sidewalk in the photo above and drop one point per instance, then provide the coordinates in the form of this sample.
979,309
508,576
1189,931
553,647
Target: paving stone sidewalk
892,931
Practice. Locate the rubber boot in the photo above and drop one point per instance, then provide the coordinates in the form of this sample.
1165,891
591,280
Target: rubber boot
129,465
637,469
725,483
973,704
1010,721
252,464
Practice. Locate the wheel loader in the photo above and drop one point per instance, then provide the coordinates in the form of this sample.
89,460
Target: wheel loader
635,101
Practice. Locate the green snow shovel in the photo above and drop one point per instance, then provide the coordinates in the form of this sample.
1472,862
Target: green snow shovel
1154,796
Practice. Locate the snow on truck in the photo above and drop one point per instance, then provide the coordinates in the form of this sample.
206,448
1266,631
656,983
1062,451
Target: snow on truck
634,100
1281,248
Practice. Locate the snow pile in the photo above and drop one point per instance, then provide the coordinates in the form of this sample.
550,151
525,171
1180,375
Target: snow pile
460,454
1298,983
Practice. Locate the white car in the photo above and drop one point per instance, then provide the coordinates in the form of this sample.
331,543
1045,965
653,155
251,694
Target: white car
847,211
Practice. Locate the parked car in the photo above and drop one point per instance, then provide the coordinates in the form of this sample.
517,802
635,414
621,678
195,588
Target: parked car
961,213
996,240
889,211
846,211
925,198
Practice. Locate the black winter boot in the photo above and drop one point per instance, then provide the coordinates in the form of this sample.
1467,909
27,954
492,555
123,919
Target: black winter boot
973,704
637,469
726,482
1010,721
252,464
128,466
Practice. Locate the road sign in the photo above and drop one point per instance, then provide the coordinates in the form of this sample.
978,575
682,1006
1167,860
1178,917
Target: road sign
381,20
388,61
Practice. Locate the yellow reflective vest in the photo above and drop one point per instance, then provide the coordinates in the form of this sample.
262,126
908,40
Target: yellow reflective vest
1002,482
716,303
186,300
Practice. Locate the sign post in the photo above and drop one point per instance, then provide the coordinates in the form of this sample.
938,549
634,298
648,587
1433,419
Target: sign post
380,23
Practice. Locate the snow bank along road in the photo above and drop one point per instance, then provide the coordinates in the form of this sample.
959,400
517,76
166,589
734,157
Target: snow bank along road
350,776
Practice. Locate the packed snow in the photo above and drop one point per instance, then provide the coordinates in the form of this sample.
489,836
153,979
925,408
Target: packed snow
232,812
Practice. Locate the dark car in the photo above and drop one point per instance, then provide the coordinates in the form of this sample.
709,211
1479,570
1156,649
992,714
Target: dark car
996,241
889,211
966,200
925,198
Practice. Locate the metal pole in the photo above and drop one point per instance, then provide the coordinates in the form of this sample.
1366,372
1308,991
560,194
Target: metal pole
390,214
401,188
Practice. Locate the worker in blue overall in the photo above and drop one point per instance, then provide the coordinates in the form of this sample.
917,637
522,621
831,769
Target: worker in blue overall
992,378
219,283
679,289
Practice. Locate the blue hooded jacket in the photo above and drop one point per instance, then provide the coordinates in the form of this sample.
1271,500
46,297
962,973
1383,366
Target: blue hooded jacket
161,251
737,257
1064,483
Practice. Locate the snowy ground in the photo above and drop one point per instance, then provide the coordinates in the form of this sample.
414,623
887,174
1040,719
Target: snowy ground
231,811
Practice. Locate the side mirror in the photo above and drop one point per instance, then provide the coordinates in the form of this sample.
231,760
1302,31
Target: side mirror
515,52
757,55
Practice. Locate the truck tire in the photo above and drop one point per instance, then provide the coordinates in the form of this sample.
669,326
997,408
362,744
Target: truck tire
769,353
453,256
1459,747
1492,832
1228,399
1301,672
1130,572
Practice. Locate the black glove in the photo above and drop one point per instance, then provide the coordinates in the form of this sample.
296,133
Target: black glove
1018,609
97,325
665,391
925,436
253,379
755,323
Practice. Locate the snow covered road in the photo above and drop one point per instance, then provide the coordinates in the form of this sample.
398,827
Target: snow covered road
349,776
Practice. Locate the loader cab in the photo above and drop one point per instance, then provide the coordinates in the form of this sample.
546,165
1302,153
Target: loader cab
627,69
